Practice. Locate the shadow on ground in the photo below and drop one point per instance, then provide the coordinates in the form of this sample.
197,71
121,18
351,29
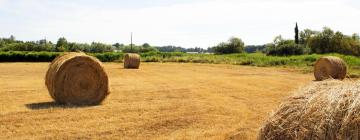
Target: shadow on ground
47,105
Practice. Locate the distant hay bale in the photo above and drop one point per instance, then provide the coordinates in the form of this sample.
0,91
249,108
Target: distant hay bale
78,79
329,67
131,61
327,110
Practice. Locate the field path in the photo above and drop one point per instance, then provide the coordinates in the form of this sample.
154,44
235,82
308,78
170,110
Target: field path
158,101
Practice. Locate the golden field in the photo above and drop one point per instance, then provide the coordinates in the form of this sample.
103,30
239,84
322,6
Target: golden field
157,101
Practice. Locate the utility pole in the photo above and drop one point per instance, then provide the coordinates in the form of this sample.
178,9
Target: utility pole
131,45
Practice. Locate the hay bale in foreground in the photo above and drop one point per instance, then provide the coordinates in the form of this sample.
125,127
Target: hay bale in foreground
327,110
78,79
329,67
131,61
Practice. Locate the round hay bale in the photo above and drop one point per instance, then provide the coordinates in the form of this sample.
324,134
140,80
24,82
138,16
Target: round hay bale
327,110
77,79
131,61
329,67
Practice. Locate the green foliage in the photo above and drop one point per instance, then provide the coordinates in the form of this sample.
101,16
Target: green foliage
100,47
296,34
328,41
255,48
41,45
2,44
108,56
234,45
22,56
27,56
171,49
138,49
306,35
61,45
118,45
286,49
281,47
77,47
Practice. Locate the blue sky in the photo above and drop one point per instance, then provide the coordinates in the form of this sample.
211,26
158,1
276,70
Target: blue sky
187,23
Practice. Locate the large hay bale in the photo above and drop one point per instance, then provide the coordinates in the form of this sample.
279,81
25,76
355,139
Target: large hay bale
327,110
329,67
78,79
131,61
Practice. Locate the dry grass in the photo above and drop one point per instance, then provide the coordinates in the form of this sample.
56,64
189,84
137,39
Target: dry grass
158,101
327,110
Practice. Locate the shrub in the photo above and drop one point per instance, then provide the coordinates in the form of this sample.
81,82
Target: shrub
49,56
108,57
234,45
286,49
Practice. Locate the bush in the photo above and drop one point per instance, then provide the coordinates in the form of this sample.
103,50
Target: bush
49,56
287,49
108,57
255,48
27,56
234,45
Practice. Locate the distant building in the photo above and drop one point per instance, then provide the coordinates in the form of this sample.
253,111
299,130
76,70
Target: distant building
199,52
208,53
193,52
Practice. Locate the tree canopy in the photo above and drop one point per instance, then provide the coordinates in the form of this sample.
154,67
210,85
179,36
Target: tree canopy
234,45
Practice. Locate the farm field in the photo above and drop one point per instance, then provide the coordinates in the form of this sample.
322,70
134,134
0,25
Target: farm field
157,101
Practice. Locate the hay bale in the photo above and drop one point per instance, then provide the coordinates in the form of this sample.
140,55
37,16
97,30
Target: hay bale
329,67
78,79
327,110
131,61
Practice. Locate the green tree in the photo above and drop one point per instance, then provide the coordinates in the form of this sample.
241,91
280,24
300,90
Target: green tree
328,41
12,38
320,43
61,45
100,47
355,37
2,43
118,46
234,45
146,45
221,48
278,39
147,48
306,35
283,47
43,45
296,34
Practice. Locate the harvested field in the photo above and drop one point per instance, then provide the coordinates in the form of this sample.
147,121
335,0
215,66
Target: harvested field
158,101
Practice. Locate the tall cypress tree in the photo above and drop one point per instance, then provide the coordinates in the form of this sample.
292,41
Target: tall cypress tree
296,34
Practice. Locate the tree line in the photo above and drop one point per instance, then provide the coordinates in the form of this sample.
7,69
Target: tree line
319,42
305,42
62,45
